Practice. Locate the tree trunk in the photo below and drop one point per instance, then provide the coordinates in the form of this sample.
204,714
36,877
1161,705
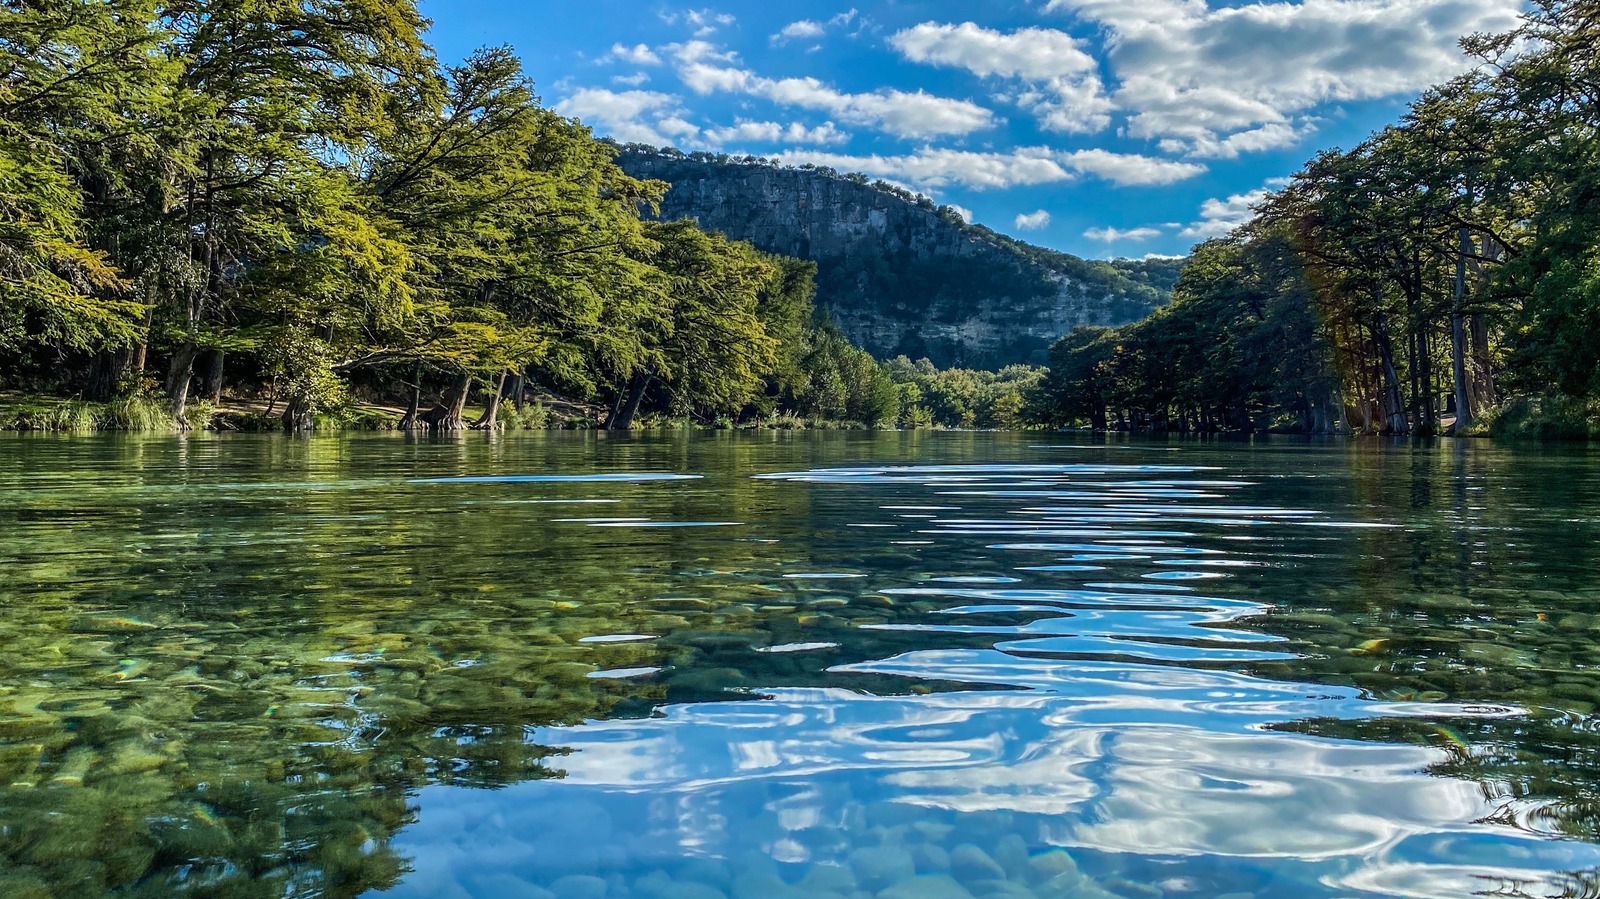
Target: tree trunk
1458,370
212,390
1392,399
623,419
517,387
179,374
408,422
1484,395
491,416
616,409
297,417
448,415
1458,339
136,361
1429,397
106,373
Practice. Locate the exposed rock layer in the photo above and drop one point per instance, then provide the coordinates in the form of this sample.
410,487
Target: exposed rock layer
901,275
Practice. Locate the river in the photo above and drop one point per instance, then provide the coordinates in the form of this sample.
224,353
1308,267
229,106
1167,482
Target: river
760,665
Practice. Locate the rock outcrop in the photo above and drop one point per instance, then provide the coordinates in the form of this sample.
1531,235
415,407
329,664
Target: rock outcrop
900,275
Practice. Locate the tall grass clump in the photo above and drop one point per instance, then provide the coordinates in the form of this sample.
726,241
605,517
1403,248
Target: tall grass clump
70,416
138,413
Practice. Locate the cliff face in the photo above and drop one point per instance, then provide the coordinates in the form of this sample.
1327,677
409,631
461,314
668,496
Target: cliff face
902,276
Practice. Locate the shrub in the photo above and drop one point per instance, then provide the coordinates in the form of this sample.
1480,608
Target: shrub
198,415
532,417
1545,418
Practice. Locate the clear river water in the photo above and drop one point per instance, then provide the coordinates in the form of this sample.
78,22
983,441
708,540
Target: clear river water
774,665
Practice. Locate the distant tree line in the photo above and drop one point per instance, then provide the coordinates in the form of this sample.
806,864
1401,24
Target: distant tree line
299,199
1446,264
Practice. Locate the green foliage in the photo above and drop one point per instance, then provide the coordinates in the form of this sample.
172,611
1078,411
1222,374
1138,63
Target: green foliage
963,398
713,351
75,74
531,417
295,199
197,416
1545,418
845,383
1401,283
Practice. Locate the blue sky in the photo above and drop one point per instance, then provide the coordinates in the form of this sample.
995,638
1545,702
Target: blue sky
1099,127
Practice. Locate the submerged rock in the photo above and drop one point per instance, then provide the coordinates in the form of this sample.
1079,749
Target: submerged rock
1051,863
877,867
1001,889
658,885
829,878
579,886
970,863
930,859
506,886
705,870
1072,885
927,886
1011,853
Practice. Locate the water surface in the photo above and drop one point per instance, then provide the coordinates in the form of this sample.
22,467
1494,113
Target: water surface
756,666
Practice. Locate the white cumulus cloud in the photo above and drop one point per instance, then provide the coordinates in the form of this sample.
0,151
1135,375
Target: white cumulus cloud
801,29
1115,235
1064,88
1132,169
1033,221
638,54
705,22
811,28
635,116
1220,216
773,133
931,168
1220,80
1033,53
906,114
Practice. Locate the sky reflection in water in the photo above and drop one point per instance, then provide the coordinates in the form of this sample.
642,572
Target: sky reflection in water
1160,779
782,665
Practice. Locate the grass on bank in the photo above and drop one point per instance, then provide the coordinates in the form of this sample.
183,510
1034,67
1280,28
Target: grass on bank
151,414
131,413
143,413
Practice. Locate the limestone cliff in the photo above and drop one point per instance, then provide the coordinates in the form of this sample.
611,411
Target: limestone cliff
899,274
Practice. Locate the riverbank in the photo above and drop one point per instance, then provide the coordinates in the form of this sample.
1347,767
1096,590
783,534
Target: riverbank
57,415
1542,419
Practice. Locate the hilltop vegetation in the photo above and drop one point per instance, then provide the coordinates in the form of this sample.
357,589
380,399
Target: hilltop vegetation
1448,268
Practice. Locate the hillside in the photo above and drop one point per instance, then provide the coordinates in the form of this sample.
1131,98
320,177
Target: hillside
900,275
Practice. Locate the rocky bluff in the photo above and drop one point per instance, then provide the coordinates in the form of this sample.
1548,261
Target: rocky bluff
900,275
